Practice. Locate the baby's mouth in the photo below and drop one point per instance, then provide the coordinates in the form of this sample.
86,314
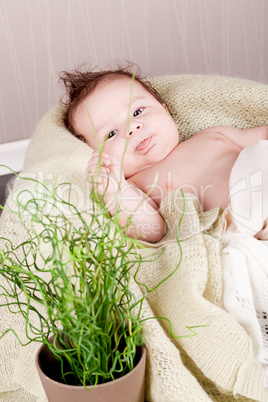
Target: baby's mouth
143,144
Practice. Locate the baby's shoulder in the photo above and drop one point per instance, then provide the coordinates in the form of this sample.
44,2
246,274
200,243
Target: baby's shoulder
211,132
201,139
217,134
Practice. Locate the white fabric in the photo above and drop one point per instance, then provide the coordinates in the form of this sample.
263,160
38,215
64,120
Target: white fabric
248,188
244,258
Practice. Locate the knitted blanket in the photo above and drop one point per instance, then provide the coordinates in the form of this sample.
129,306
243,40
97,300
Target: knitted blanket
218,363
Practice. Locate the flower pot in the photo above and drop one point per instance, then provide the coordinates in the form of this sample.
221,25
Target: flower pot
128,388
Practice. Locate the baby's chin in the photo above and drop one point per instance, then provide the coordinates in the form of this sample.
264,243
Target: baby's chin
128,174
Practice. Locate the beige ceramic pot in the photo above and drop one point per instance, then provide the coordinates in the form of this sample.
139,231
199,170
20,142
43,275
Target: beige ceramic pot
129,388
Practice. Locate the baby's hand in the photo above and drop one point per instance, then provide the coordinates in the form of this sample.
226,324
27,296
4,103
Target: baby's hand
104,174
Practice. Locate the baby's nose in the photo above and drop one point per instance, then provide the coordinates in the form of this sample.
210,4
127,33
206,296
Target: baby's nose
138,127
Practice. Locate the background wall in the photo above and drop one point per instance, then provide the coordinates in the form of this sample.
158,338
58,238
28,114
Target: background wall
40,38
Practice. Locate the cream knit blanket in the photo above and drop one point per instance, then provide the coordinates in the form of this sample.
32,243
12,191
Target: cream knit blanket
218,363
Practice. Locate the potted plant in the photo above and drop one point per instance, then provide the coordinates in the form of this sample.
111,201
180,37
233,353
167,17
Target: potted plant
70,281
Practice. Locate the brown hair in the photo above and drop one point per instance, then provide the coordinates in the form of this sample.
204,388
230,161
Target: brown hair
79,84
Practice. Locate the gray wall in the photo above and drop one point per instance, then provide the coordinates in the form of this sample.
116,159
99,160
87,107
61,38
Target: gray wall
39,38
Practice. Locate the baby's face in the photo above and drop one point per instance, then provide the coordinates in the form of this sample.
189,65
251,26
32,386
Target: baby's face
129,122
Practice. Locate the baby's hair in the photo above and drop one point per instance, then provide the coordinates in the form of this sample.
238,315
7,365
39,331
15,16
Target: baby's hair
79,83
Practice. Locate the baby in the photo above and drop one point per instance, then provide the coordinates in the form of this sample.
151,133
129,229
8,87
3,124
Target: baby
138,158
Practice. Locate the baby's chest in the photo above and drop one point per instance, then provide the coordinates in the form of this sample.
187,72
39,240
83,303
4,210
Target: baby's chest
203,170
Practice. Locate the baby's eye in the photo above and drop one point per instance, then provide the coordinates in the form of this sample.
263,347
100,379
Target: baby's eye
111,134
138,111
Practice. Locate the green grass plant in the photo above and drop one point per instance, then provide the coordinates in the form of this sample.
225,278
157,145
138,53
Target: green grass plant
70,278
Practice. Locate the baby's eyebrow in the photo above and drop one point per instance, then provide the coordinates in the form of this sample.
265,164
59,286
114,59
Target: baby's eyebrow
136,99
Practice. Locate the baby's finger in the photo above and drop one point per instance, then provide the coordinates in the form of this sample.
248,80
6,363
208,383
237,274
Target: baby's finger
104,158
96,176
103,155
96,165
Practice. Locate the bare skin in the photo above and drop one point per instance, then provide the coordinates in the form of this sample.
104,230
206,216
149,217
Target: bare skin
143,141
214,155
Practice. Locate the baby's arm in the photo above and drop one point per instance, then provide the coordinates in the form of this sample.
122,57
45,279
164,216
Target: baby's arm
108,181
241,137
